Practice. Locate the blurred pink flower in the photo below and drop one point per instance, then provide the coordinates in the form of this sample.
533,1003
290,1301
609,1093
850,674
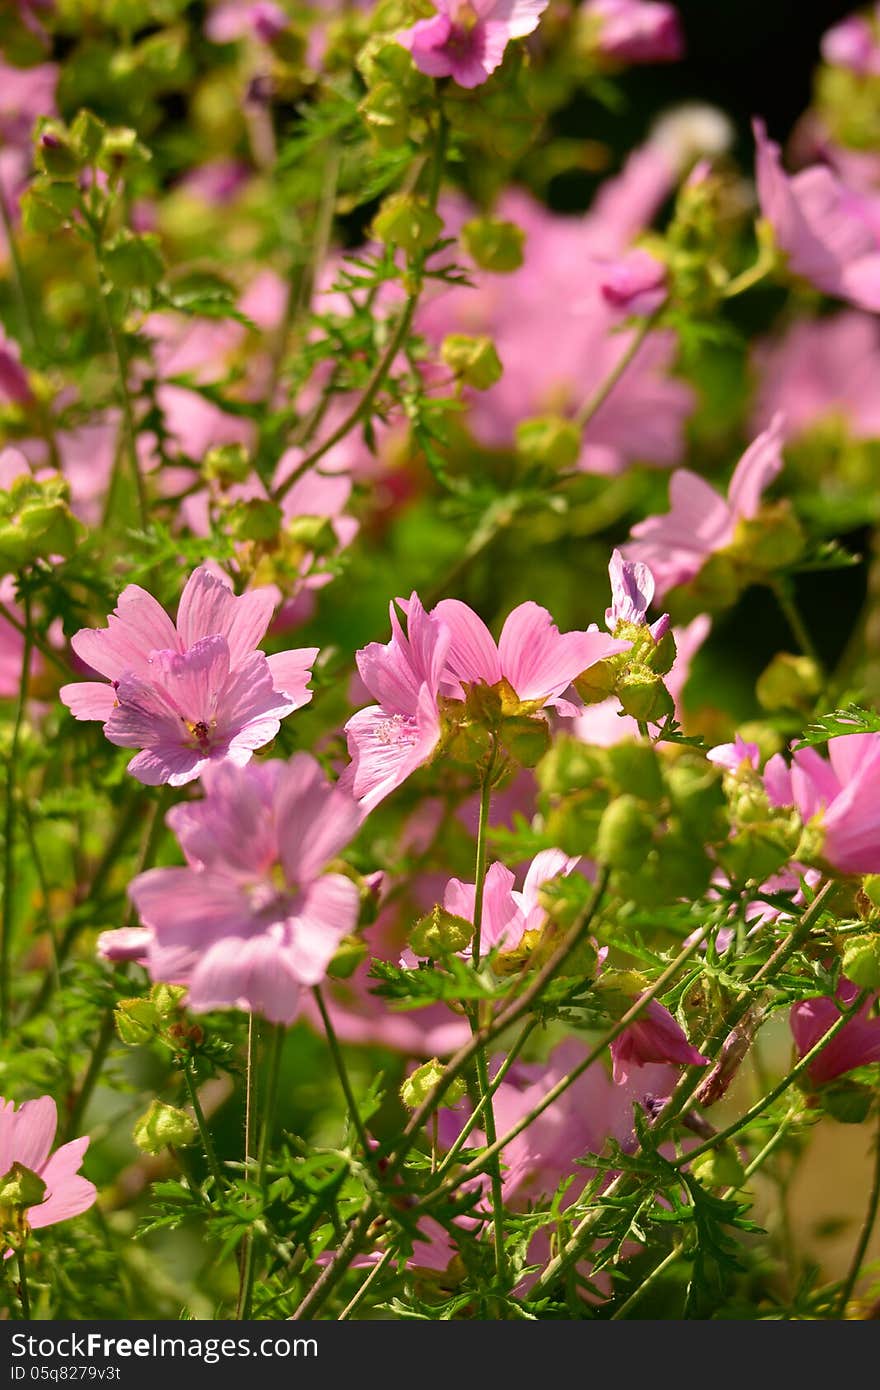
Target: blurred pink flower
843,793
829,231
466,39
25,95
635,283
238,19
700,522
821,370
654,1036
632,590
14,385
853,44
732,756
125,944
637,31
190,693
857,1043
253,919
508,913
26,1136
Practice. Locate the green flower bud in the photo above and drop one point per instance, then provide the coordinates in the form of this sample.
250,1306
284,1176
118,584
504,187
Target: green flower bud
634,767
871,888
120,147
789,682
47,206
55,155
625,834
474,360
493,244
719,1168
167,999
313,533
861,961
20,1188
626,985
549,441
227,464
163,1125
419,1085
598,681
525,738
133,260
695,786
440,933
36,522
87,134
772,540
643,695
406,220
848,1102
755,853
385,112
349,954
258,519
662,658
569,766
137,1021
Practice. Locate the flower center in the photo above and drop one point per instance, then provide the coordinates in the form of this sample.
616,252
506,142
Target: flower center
200,732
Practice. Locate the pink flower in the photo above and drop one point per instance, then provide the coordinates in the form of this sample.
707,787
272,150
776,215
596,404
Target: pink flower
822,371
852,44
236,19
842,794
25,95
254,919
829,230
466,39
632,589
26,1136
14,384
655,1036
507,913
637,31
389,740
191,693
700,522
537,661
733,756
857,1043
635,283
125,944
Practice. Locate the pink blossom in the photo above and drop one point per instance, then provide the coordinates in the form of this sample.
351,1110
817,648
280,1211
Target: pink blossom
853,44
819,371
654,1036
25,95
507,913
637,31
857,1043
14,385
389,740
700,522
236,19
635,283
559,337
632,589
733,756
829,231
253,919
466,39
125,944
536,660
191,693
26,1136
842,796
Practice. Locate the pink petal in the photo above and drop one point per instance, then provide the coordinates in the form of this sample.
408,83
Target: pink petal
208,607
539,661
759,465
89,699
328,913
251,974
67,1194
292,671
473,656
314,820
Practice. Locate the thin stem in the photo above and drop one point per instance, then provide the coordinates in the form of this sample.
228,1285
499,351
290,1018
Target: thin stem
482,853
785,598
342,1073
270,1098
23,1290
117,343
476,1114
93,1071
9,825
370,1279
646,1283
601,394
867,1231
204,1132
246,1263
27,316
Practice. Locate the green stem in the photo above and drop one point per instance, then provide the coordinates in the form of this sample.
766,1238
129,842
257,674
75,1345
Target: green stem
370,1279
9,825
117,344
647,1282
246,1263
342,1073
785,598
270,1098
18,277
601,394
476,1114
204,1132
93,1071
867,1230
23,1290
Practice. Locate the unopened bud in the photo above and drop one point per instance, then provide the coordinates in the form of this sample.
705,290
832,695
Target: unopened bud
137,1021
643,695
861,961
625,834
493,244
163,1125
407,220
789,682
548,440
227,464
440,933
420,1084
473,360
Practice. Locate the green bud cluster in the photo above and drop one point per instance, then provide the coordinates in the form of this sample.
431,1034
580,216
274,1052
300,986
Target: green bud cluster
420,1084
163,1125
36,522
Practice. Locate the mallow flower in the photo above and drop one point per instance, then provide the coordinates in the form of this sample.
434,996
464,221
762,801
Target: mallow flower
26,1137
828,230
700,522
636,31
466,39
192,692
857,1043
254,918
508,914
655,1036
838,799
